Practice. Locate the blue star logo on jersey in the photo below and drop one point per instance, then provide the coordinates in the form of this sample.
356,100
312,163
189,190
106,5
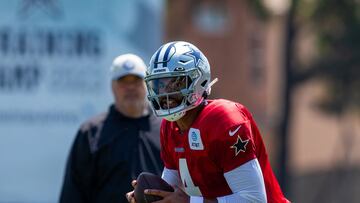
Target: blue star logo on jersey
195,54
240,145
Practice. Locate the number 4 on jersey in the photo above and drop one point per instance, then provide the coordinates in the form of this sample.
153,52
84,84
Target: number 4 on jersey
186,179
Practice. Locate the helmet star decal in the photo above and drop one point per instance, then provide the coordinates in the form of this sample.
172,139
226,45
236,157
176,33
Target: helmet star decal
240,145
194,54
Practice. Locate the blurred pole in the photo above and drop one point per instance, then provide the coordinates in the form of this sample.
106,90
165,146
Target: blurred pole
287,107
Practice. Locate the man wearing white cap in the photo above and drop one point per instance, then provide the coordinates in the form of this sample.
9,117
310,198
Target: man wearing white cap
111,149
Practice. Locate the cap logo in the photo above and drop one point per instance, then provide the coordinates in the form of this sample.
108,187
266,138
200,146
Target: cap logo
128,65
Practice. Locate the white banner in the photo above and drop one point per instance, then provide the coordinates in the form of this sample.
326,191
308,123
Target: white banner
54,61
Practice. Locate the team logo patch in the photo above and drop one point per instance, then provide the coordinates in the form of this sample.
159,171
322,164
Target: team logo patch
195,141
240,145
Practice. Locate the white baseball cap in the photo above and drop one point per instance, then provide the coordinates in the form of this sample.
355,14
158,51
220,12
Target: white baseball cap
127,64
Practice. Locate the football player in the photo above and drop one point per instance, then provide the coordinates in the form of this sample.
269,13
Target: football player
212,149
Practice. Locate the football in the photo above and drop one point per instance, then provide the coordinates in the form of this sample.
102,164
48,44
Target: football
150,181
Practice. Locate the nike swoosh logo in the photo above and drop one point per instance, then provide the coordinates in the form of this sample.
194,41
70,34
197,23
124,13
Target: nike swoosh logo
232,133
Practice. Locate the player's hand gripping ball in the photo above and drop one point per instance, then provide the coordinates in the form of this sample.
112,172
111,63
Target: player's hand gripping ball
150,181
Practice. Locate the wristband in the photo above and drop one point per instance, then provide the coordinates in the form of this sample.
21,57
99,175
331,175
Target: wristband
196,199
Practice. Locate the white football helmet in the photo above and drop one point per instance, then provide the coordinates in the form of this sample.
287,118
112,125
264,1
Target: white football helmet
177,79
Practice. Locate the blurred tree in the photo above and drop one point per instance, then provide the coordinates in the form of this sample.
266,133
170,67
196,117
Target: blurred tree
337,25
289,84
259,8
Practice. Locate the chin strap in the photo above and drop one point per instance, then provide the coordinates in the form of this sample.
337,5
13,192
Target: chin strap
208,89
213,82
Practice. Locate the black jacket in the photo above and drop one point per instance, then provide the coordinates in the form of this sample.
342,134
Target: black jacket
109,151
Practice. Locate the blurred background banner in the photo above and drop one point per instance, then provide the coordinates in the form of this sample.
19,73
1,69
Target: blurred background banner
293,63
54,62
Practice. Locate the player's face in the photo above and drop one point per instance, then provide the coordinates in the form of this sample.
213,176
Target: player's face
169,90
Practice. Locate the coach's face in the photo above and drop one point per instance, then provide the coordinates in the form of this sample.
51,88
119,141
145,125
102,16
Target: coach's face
129,92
